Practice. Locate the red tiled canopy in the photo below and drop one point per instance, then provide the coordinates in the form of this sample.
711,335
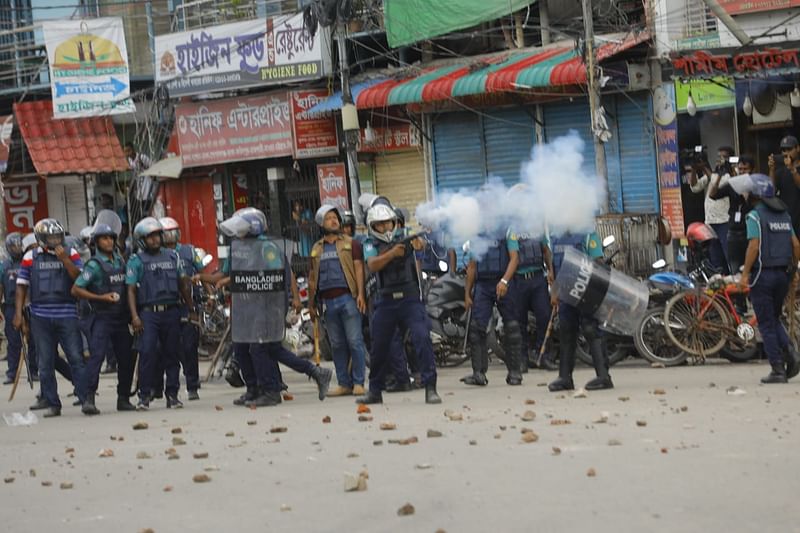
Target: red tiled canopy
68,146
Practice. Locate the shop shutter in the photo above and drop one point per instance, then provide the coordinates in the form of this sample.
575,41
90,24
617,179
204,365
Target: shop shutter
66,197
637,153
458,158
561,117
509,137
401,178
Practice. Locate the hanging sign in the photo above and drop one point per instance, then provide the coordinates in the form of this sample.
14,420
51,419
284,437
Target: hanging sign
333,185
315,134
669,179
89,73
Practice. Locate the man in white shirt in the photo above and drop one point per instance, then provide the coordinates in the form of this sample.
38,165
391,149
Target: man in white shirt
138,164
717,212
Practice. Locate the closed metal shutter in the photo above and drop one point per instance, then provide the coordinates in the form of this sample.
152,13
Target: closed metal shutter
637,154
66,202
458,159
509,137
401,178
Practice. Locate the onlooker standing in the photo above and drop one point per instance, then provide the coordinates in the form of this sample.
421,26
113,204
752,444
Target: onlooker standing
787,179
737,212
716,210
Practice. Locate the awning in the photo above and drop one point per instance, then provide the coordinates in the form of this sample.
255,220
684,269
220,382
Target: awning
68,146
508,71
169,167
334,101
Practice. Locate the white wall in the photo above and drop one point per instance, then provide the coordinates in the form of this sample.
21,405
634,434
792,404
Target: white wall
758,23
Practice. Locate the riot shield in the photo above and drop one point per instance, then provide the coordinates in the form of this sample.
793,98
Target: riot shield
258,288
110,218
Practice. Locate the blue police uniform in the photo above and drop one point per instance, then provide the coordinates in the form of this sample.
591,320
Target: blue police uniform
530,289
9,269
190,334
490,269
109,332
157,280
770,283
397,304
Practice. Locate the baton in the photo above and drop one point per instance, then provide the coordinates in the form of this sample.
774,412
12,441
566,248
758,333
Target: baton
466,330
22,361
135,378
218,352
548,332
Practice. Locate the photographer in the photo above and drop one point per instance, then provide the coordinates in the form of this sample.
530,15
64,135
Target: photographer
716,211
737,212
786,178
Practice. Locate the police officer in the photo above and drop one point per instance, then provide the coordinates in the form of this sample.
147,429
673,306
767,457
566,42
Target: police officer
190,334
571,321
398,302
8,273
102,285
156,282
531,293
258,274
49,271
336,281
491,278
349,224
771,258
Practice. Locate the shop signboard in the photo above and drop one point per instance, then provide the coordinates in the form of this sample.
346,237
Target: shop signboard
315,134
669,178
716,93
26,202
704,64
740,7
235,129
269,51
395,138
333,185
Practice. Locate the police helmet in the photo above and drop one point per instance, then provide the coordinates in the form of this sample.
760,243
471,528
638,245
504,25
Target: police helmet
172,230
103,230
245,222
324,209
14,245
349,219
71,242
402,215
29,241
86,234
146,226
49,233
381,213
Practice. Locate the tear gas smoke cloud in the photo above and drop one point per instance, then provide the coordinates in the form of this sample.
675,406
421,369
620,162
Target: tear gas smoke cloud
554,195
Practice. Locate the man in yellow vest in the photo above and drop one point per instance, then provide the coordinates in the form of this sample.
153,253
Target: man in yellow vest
336,281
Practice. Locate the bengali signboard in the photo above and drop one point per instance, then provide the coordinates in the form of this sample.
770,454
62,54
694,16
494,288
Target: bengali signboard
269,51
26,202
703,64
740,7
392,139
315,134
235,129
669,179
333,185
89,73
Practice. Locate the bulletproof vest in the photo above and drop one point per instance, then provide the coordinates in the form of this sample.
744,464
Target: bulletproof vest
50,281
186,253
112,280
570,240
331,273
433,253
399,277
776,237
10,271
159,283
530,252
494,262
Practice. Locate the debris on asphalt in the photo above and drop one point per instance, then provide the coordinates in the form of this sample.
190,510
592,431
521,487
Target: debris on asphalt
201,478
614,442
658,365
352,455
176,431
200,455
69,450
624,398
211,468
473,443
556,450
106,452
409,440
218,408
664,450
278,429
178,441
388,426
603,418
580,393
453,416
641,423
140,425
363,409
406,510
659,392
8,480
530,401
118,438
377,443
66,485
287,397
229,434
529,436
364,418
591,473
168,488
355,483
47,483
433,434
560,422
326,420
252,422
32,472
735,391
143,455
423,466
528,416
285,507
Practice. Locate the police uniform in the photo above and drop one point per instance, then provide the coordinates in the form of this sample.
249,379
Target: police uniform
157,280
8,273
770,284
571,321
490,269
109,332
398,304
190,334
530,289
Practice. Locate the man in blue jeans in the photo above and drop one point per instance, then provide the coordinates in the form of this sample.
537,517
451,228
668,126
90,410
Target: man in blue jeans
336,280
47,273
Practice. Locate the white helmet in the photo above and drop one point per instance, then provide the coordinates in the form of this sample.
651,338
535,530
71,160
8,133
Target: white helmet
172,230
319,218
381,213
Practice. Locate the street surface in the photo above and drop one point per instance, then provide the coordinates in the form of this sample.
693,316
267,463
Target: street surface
670,450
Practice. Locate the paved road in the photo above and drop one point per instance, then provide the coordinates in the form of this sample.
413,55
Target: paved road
705,461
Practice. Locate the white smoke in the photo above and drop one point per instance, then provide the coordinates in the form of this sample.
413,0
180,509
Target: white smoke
554,195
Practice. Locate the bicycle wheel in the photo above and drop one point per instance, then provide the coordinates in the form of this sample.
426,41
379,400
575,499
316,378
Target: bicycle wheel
652,342
696,323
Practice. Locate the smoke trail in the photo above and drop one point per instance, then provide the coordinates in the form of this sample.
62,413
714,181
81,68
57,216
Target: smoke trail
554,192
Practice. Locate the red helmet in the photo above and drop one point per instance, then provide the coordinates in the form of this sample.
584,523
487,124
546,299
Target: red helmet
698,232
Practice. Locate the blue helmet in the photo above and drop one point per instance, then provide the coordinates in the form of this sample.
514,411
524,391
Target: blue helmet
103,230
246,222
14,245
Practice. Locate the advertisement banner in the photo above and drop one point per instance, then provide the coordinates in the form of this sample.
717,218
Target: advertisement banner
269,51
235,129
333,185
26,202
392,139
89,73
738,7
669,177
314,133
716,93
6,126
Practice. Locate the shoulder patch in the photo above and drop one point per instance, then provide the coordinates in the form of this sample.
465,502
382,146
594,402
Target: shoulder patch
592,243
87,275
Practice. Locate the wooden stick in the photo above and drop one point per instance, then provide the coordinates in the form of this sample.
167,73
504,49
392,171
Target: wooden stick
23,355
316,341
218,352
548,332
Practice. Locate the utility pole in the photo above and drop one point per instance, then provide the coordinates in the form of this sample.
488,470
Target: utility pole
594,95
351,131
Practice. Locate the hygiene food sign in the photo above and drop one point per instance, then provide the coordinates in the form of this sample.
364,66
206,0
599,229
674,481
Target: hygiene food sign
269,51
89,73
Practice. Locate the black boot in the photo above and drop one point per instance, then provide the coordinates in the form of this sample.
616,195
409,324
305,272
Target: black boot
266,399
174,402
322,377
792,359
597,347
88,407
124,404
41,403
479,356
370,397
513,347
431,396
399,386
569,343
778,374
248,396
